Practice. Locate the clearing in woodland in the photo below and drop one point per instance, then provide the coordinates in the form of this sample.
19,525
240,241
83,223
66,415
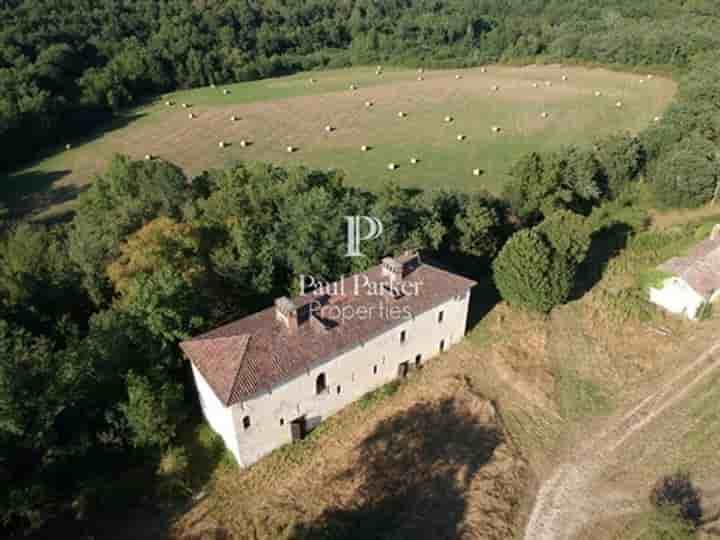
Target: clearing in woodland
447,126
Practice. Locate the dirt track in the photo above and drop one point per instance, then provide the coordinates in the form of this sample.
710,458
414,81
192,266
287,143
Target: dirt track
566,502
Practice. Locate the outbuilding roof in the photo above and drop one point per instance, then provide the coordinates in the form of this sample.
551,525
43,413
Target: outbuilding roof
700,268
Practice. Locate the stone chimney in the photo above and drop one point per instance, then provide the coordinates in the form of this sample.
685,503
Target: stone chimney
396,268
291,315
715,234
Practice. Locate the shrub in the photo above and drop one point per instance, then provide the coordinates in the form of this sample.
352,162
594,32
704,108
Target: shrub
677,491
529,273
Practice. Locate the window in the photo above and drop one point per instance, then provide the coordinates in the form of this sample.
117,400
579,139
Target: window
338,389
442,345
246,422
375,369
441,315
320,384
403,336
418,360
282,421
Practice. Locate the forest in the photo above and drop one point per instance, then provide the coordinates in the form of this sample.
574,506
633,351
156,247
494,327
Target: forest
92,385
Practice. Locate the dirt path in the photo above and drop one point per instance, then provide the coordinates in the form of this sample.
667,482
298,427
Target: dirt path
566,501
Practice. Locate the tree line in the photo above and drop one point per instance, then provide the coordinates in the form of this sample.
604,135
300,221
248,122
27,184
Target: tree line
68,66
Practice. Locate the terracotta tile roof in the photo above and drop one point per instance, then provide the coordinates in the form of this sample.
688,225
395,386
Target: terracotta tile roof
700,268
244,358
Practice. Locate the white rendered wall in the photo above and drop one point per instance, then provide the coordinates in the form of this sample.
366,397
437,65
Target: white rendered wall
352,371
217,415
677,297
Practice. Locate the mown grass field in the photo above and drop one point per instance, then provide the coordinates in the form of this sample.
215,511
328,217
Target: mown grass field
294,111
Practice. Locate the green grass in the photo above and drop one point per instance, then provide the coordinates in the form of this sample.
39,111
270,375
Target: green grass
579,397
290,110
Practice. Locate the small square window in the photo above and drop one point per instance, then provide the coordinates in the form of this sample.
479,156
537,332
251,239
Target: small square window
338,389
441,316
375,369
282,421
403,336
246,422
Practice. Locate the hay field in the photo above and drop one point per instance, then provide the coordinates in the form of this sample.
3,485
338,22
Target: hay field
276,113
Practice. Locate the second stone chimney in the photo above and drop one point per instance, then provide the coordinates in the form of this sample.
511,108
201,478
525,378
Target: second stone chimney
291,315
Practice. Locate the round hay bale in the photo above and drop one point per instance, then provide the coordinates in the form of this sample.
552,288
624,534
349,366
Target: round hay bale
535,85
544,114
420,78
369,103
598,93
244,143
391,166
495,88
291,149
353,87
650,76
168,103
548,83
222,144
185,105
564,77
364,148
233,118
458,77
657,119
496,129
476,172
619,104
401,114
448,118
226,92
329,128
191,116
68,146
460,137
483,70
414,161
148,157
312,81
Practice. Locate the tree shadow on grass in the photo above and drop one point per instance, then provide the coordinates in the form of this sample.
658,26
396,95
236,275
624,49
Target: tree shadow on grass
416,470
605,244
33,192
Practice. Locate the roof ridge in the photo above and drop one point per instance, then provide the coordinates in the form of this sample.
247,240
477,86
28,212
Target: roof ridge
246,342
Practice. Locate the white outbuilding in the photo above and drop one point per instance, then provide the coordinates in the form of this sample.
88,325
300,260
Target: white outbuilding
692,281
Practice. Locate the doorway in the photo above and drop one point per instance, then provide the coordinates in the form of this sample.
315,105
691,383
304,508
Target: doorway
403,369
298,428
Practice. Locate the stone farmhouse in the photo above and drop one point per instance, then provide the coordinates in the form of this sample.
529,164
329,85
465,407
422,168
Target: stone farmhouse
268,379
694,279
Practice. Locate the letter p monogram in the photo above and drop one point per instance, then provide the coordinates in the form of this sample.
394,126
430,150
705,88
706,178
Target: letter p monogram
355,236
